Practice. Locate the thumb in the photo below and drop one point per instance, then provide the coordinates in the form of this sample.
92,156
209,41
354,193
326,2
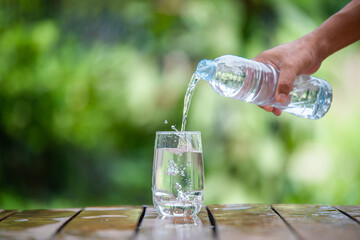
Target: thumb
285,85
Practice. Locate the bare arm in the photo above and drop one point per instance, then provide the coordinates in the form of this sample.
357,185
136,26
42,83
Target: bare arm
339,31
305,55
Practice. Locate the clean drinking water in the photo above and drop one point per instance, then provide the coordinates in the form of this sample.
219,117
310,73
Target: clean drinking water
256,82
178,170
187,99
178,181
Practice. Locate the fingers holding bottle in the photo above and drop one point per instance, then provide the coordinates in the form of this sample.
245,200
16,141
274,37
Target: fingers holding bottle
285,84
268,108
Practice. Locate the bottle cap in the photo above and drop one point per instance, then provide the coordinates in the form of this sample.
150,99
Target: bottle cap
206,69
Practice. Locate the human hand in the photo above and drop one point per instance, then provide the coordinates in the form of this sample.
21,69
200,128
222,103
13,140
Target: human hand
292,59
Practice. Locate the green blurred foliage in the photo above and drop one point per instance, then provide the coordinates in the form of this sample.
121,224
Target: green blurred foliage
84,85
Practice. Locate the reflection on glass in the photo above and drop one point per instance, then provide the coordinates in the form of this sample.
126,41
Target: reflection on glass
177,227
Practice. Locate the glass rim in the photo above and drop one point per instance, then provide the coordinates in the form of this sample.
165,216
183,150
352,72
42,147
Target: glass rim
176,133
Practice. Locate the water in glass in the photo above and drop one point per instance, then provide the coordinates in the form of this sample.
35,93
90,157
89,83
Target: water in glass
178,180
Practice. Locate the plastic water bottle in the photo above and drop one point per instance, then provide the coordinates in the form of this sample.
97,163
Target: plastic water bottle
255,82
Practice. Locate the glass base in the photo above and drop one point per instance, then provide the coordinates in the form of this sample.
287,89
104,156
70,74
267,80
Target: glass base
177,209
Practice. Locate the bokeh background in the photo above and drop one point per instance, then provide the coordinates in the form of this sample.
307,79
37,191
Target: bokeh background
84,85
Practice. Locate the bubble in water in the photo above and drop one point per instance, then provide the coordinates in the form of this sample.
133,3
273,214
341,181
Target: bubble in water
181,195
188,182
172,168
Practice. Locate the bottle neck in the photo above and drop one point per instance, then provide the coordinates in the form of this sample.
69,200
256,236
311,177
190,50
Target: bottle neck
206,69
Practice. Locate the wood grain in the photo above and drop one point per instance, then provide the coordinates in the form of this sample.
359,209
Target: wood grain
117,222
352,210
34,224
237,221
249,221
319,222
156,227
6,213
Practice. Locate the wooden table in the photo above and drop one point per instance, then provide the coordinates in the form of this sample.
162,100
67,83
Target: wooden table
237,221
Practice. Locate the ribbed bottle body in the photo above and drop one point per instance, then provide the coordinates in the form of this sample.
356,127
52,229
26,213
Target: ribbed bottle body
255,82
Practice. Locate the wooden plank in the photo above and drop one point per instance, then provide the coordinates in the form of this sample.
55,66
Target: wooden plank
352,210
34,224
319,221
249,221
117,222
157,227
6,213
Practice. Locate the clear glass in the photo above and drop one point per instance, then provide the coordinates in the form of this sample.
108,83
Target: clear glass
178,173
